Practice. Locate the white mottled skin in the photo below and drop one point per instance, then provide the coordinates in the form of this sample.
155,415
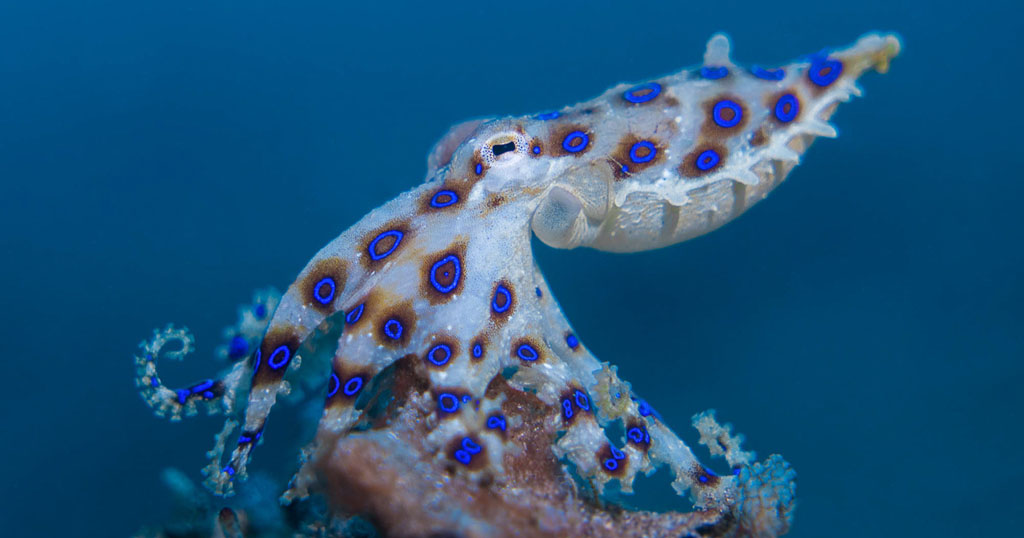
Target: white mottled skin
568,201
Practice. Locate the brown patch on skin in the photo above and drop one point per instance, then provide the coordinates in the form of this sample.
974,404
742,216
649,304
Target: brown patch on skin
620,158
532,343
482,341
689,167
773,100
759,138
495,200
704,477
437,353
334,268
477,461
351,382
711,130
278,336
502,300
386,331
605,454
449,274
637,435
558,135
569,402
536,148
477,160
461,190
385,243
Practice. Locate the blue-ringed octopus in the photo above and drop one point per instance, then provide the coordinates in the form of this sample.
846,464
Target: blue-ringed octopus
454,364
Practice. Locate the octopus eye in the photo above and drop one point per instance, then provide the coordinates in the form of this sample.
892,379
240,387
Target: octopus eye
498,149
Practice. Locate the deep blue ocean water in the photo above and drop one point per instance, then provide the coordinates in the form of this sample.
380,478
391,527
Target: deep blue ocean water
157,163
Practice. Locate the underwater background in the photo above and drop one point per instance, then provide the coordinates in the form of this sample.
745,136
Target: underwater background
159,161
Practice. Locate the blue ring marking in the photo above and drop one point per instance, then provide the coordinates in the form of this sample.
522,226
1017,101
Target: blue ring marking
453,402
154,382
373,244
819,64
284,352
767,74
229,470
326,281
538,291
653,89
333,385
611,464
208,395
238,347
463,457
454,260
633,156
635,434
393,329
737,113
435,201
548,115
471,446
616,453
625,169
703,479
183,395
260,311
466,398
243,439
781,113
708,159
567,408
536,150
354,314
440,347
575,148
256,361
504,292
478,351
352,386
643,407
201,386
714,73
737,471
479,168
527,353
572,341
582,400
497,423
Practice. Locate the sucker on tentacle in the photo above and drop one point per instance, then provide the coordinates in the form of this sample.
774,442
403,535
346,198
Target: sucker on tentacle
450,336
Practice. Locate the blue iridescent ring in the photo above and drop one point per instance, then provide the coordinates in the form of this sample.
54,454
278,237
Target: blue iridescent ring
445,354
443,198
497,422
393,329
567,408
635,434
479,169
579,137
611,464
708,159
471,446
456,268
634,152
448,403
279,357
824,71
318,290
333,385
582,400
572,341
526,352
767,74
374,255
641,93
719,116
478,351
352,386
548,115
501,291
786,108
463,457
714,73
354,314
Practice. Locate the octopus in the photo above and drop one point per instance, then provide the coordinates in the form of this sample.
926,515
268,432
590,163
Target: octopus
457,397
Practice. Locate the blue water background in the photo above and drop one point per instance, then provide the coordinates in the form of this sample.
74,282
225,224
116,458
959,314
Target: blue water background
157,163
